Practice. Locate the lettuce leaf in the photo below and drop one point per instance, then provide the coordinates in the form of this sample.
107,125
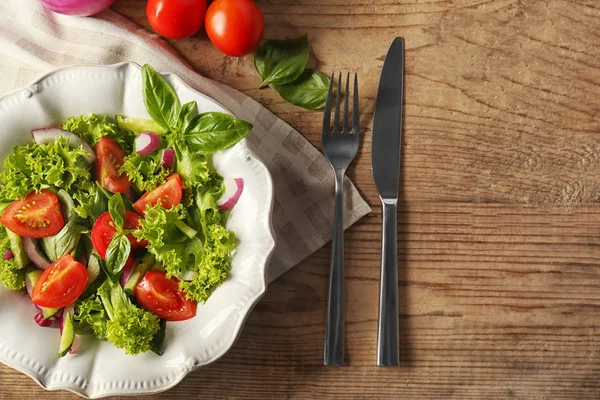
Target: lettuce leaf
93,127
145,172
51,166
207,256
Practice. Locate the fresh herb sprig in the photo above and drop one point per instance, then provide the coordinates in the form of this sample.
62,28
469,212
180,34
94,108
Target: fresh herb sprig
282,64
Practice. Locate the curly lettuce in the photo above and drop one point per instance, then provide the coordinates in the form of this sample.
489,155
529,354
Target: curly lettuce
206,255
51,166
90,313
145,172
92,128
127,327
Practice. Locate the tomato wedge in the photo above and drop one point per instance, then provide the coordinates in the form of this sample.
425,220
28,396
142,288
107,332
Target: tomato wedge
37,216
110,158
60,284
169,194
161,296
104,230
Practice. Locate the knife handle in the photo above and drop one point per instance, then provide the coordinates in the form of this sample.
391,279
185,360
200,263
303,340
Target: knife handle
388,332
334,325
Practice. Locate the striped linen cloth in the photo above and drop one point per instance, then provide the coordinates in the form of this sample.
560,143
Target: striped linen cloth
34,41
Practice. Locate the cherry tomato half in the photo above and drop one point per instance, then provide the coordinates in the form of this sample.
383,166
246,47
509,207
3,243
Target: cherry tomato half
176,19
169,194
235,27
60,284
38,215
160,295
104,230
110,158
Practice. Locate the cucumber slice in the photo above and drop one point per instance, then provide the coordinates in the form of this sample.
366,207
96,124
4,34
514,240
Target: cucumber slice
138,125
68,334
31,278
145,265
16,246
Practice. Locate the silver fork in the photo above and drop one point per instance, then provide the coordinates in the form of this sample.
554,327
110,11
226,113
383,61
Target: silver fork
340,146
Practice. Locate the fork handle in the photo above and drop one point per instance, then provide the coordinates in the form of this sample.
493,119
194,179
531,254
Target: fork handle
388,332
334,326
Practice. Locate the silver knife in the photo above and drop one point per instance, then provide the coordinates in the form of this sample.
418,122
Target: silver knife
385,163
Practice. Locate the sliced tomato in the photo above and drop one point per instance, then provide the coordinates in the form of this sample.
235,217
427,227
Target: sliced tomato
104,230
169,194
110,157
161,296
38,215
60,284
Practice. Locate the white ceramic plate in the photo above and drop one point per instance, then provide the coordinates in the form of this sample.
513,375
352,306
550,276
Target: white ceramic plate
99,369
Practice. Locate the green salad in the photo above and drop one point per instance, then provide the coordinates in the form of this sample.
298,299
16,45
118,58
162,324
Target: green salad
115,225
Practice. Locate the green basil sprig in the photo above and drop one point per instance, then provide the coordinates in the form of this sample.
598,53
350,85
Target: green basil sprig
117,253
282,65
281,61
308,91
160,99
186,114
214,131
116,208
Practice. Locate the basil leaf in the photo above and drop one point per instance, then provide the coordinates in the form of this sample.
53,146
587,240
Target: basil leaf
117,253
213,131
100,205
309,91
64,242
160,99
185,115
111,277
116,208
281,61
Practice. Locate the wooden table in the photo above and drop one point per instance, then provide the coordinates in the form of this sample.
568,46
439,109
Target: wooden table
499,224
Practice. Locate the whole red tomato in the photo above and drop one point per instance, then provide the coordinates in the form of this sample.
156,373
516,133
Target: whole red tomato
235,27
176,19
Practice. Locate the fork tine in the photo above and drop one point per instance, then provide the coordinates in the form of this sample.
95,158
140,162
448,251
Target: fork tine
336,117
346,101
355,110
327,111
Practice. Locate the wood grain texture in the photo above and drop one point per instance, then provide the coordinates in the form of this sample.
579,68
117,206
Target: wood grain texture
499,224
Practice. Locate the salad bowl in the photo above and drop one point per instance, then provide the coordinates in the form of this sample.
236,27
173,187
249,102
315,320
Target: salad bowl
99,369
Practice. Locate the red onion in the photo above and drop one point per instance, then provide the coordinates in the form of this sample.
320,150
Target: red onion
34,253
48,135
75,345
233,191
80,8
8,254
127,270
41,321
147,142
167,158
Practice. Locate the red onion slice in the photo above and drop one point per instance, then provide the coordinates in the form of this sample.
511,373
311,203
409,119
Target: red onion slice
8,254
147,142
233,191
48,135
41,321
34,253
167,158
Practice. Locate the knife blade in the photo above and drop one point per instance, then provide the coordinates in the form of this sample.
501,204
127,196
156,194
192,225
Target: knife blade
385,164
387,123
